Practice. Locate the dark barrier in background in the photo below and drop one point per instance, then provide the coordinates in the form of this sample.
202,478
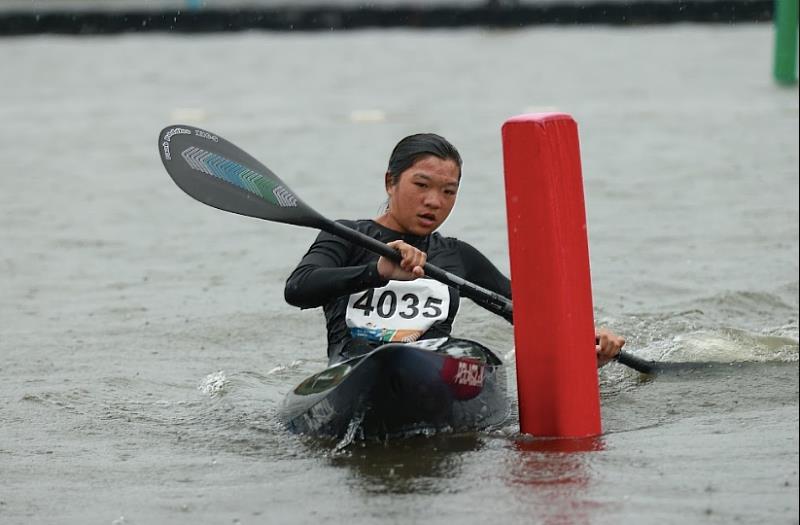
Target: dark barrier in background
340,17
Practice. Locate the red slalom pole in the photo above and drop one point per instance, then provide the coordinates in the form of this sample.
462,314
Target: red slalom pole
551,284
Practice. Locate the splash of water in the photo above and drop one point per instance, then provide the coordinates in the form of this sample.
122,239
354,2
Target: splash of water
282,368
214,384
724,346
353,430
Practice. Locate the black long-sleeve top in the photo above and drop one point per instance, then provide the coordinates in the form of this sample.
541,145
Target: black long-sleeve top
333,270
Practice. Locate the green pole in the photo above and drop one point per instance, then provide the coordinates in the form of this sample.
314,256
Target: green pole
785,66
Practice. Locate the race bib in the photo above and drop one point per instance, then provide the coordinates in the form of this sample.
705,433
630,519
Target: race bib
401,311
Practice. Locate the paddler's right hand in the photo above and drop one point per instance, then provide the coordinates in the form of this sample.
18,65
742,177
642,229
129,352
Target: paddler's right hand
409,268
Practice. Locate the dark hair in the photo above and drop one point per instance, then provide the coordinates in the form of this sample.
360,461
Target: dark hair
411,148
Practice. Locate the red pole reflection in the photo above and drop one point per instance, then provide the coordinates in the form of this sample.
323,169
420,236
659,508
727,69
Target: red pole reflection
585,444
552,477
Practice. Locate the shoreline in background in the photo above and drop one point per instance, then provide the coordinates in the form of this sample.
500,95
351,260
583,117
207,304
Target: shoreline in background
84,18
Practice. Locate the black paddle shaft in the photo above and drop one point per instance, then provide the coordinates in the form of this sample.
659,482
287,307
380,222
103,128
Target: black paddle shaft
490,300
218,173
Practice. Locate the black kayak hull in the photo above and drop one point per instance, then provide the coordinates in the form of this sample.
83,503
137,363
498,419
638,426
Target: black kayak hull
402,389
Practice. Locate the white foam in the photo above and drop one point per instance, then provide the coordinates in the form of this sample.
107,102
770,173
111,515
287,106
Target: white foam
723,346
213,384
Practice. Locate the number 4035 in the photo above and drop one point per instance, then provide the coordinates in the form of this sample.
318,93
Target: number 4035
407,307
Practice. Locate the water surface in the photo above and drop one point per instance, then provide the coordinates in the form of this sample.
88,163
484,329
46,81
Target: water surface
145,344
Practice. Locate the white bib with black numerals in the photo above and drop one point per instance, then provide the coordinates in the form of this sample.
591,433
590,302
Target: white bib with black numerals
401,311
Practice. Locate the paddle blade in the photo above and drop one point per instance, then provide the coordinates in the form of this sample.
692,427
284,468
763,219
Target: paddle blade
218,173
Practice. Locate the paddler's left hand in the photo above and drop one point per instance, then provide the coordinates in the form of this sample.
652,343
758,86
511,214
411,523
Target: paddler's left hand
409,268
608,346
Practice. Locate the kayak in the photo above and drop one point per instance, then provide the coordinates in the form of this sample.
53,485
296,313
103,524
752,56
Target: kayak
401,389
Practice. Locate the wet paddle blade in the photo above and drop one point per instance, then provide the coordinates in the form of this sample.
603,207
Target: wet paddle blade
218,173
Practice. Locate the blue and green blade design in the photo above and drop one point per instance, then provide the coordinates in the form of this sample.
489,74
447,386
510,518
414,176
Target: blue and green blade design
238,175
220,174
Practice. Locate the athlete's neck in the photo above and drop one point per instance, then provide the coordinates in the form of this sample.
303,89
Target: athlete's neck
399,231
387,221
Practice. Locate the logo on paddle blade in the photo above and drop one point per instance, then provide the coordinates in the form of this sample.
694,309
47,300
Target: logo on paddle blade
240,176
168,137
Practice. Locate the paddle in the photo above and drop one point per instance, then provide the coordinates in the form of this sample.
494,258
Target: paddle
218,173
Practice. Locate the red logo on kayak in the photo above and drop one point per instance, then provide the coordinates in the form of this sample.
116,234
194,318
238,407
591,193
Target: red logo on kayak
464,376
469,374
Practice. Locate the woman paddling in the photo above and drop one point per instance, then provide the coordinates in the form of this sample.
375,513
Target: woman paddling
369,300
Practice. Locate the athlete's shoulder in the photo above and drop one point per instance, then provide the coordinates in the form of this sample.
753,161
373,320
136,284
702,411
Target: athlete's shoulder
353,223
362,225
446,242
464,249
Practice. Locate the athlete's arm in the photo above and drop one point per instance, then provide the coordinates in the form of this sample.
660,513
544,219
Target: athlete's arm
322,275
482,272
479,270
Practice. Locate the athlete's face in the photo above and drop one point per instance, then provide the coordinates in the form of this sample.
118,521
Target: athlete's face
423,197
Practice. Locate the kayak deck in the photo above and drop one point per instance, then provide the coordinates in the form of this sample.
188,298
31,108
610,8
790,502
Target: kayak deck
402,389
